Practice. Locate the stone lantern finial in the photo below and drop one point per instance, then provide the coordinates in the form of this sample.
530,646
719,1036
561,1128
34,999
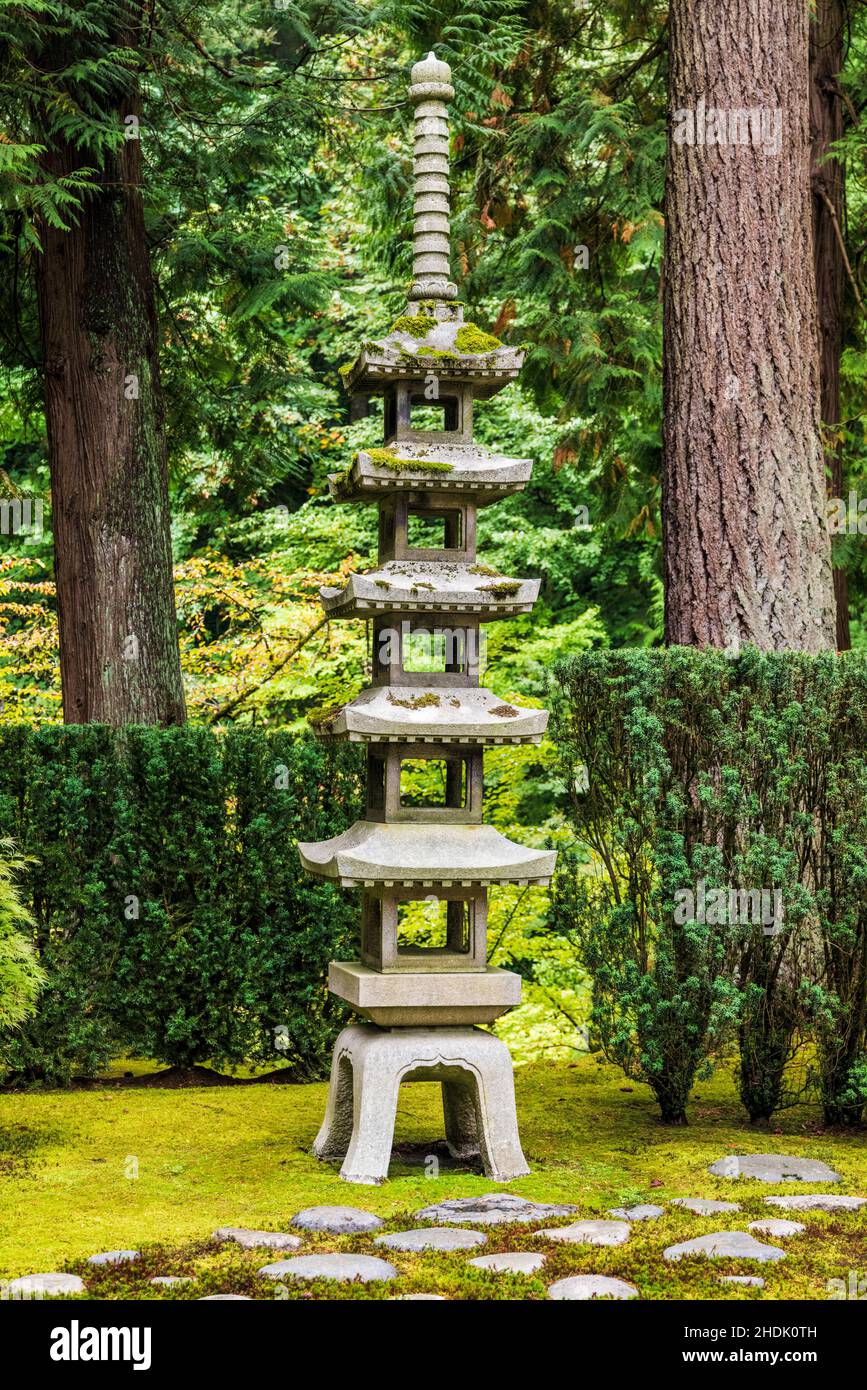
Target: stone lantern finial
430,91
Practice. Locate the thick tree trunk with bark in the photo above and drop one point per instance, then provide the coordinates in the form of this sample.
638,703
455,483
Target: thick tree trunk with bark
746,543
826,182
119,656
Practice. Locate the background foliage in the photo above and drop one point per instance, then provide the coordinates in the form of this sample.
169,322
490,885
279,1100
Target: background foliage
171,912
276,150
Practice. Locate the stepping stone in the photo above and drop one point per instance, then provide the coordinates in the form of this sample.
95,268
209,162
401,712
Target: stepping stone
343,1268
225,1298
114,1257
54,1285
643,1212
587,1286
339,1221
704,1206
590,1233
722,1245
418,1298
252,1240
431,1239
521,1262
491,1209
817,1201
170,1279
775,1227
773,1168
752,1280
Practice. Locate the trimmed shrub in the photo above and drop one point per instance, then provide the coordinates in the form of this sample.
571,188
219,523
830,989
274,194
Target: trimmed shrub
695,776
172,914
21,976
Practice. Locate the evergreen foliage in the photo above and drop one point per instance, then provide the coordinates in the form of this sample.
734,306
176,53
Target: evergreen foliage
170,910
696,772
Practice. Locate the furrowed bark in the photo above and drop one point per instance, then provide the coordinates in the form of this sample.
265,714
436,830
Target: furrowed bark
119,656
746,545
826,178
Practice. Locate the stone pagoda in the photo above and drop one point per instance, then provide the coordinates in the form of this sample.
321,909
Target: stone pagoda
428,594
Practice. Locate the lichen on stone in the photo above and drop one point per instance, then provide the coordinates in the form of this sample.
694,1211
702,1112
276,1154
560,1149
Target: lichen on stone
504,711
415,465
503,590
324,716
486,570
415,701
472,339
377,456
416,325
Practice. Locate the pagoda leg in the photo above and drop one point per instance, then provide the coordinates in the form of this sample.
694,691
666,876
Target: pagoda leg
376,1086
502,1156
475,1071
333,1138
459,1112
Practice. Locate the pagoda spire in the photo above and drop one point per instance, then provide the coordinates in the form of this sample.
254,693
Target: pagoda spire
430,92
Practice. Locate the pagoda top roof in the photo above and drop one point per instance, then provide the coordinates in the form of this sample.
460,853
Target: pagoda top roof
392,714
374,852
433,337
420,586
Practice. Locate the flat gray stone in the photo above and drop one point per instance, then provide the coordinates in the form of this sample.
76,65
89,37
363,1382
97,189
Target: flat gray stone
168,1280
253,1240
520,1262
491,1209
751,1280
114,1257
343,1268
590,1233
588,1286
643,1212
225,1298
773,1168
817,1201
37,1285
722,1245
339,1221
776,1227
704,1206
431,1238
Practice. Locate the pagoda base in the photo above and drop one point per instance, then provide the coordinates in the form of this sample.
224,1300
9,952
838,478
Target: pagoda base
368,1066
406,999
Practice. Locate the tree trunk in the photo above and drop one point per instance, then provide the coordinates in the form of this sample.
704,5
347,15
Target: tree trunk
119,659
826,182
746,545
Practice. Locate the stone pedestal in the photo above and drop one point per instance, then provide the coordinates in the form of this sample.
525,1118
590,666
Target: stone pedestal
428,480
369,1064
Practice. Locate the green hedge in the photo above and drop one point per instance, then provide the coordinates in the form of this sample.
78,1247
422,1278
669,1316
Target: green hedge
172,913
744,772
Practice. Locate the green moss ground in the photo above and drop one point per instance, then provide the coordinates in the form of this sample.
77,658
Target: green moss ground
227,1155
